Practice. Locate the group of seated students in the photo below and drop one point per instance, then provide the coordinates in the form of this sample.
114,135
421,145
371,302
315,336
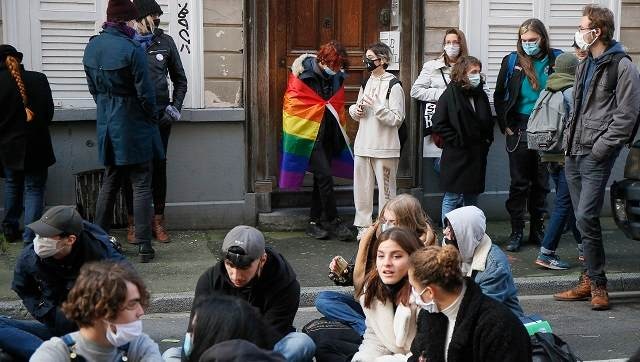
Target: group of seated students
416,299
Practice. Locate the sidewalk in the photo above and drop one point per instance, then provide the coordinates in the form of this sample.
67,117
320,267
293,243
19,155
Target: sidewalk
172,275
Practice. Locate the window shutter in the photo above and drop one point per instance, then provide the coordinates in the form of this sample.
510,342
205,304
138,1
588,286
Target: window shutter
503,19
60,30
1,32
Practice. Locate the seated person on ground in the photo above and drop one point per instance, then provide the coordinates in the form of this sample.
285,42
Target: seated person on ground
403,210
482,260
261,276
227,328
107,303
386,300
45,272
457,322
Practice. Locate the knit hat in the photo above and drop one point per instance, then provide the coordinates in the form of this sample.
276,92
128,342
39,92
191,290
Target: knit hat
121,10
566,63
7,50
147,7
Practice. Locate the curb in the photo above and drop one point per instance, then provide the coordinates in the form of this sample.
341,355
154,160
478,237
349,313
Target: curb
181,302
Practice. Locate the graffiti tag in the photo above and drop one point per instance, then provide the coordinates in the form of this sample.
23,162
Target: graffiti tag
183,22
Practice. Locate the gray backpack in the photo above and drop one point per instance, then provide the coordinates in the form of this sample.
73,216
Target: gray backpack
547,122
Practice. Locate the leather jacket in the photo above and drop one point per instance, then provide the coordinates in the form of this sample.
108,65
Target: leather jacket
163,58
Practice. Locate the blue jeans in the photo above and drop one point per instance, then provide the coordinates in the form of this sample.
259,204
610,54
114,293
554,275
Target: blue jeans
296,347
436,165
23,191
562,211
20,338
342,308
452,201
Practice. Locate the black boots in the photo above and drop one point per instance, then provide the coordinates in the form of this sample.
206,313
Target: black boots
146,252
335,229
515,241
316,231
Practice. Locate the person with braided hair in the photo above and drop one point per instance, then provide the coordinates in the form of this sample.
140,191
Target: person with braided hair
25,143
457,322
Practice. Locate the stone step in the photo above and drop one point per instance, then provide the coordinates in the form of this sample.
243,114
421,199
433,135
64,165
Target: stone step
297,218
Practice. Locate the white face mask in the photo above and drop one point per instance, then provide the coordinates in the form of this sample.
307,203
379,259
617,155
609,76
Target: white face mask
452,50
45,247
430,307
124,333
386,226
579,38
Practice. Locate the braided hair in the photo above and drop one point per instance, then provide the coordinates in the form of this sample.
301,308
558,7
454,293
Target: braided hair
14,68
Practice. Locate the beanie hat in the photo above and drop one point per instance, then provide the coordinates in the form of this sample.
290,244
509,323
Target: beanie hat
8,50
566,63
147,7
121,10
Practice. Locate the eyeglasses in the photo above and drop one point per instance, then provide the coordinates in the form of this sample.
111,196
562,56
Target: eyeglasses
583,29
454,42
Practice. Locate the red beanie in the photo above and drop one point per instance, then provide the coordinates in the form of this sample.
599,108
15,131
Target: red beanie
121,10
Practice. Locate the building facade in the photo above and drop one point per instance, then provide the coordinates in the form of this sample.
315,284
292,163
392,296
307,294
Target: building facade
223,156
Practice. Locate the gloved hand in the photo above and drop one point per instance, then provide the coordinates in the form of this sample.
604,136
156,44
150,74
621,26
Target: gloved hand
164,119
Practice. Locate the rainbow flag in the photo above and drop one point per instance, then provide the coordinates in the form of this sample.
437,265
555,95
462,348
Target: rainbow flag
302,113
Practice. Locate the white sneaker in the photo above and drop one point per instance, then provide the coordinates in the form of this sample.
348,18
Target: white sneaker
361,231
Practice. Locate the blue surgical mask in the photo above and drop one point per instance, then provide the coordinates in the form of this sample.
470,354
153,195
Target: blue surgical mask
474,79
188,345
329,71
531,48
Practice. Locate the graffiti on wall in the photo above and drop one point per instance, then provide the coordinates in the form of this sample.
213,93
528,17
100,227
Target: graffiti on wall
183,24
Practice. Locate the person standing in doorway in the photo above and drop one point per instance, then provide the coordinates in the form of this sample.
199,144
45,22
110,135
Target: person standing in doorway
380,112
523,75
606,105
164,59
128,138
25,143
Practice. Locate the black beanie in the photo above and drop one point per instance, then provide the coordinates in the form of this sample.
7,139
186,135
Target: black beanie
7,50
121,10
147,7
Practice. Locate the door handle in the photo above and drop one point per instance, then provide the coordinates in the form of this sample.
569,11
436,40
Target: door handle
327,22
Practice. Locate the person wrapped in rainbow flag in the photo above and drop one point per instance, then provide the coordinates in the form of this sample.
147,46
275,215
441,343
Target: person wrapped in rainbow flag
314,137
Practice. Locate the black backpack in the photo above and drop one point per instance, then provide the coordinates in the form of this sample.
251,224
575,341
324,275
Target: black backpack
547,347
403,133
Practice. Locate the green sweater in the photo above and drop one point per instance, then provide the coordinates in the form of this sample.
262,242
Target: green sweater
528,96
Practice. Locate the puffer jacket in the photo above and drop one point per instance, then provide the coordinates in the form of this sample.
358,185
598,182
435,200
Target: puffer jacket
163,58
605,119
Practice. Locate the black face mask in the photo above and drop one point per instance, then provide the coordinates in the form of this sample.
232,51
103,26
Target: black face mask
371,66
156,22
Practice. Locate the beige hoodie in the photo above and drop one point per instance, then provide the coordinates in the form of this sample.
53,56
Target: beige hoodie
378,130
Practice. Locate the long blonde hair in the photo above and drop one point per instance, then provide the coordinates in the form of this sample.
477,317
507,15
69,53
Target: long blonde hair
409,214
16,73
145,25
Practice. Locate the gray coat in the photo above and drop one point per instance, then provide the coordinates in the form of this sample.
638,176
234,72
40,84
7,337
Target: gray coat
602,121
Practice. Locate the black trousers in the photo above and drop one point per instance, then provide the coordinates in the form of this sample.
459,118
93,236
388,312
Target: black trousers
323,200
529,181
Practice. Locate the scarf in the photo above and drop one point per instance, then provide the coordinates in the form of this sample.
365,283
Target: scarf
126,29
144,40
559,81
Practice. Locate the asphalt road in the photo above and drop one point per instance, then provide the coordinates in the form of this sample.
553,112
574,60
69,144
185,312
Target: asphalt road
612,334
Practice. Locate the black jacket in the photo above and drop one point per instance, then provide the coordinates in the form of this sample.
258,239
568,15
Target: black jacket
485,330
43,284
238,350
505,107
467,135
25,146
275,293
163,58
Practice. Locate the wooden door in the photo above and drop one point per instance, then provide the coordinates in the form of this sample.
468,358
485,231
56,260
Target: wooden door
302,26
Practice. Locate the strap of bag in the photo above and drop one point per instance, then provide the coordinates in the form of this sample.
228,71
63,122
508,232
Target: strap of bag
71,347
443,78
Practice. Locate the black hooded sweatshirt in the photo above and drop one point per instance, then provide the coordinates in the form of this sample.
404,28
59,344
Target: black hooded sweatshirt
275,293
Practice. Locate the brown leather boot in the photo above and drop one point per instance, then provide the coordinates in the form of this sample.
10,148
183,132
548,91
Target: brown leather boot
131,230
580,292
599,297
159,232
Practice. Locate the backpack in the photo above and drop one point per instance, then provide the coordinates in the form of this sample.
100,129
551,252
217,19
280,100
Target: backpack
547,122
547,347
612,81
511,65
97,233
403,133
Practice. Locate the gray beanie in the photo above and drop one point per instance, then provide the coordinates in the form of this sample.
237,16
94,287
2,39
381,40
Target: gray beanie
566,63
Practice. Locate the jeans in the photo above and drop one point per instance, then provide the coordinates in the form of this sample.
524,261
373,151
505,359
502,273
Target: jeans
436,165
529,182
343,308
140,177
562,211
323,200
587,179
21,338
296,347
452,201
23,190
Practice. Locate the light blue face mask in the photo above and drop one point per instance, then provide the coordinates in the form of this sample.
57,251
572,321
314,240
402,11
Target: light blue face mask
329,71
531,48
474,79
187,346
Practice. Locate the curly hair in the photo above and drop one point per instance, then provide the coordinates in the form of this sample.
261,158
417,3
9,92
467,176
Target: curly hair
333,55
601,18
438,265
409,214
526,61
375,289
16,73
459,71
100,292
